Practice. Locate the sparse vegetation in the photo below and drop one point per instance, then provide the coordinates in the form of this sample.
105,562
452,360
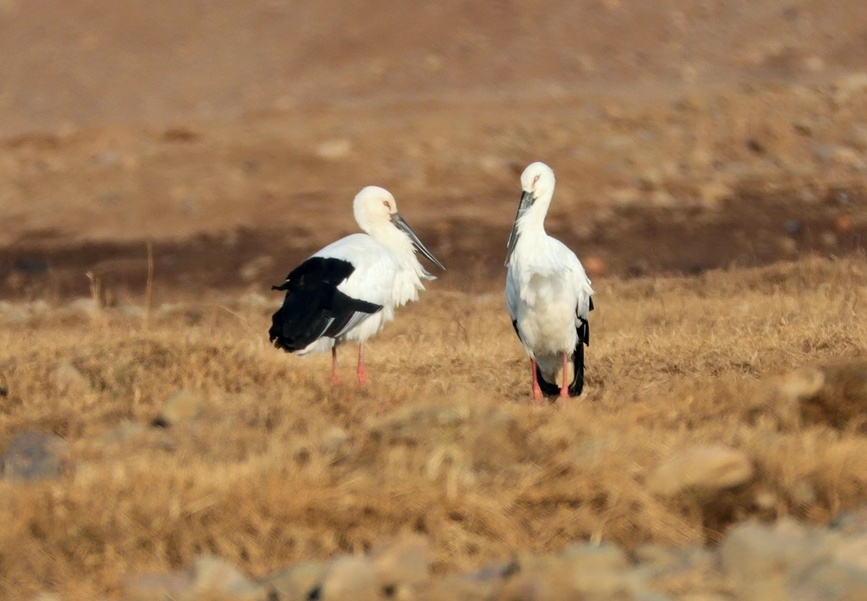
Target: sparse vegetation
277,466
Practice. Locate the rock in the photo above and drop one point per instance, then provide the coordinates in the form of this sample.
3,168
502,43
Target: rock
145,587
829,580
349,578
181,406
402,565
32,455
852,551
215,575
296,582
708,468
332,150
208,577
66,379
758,559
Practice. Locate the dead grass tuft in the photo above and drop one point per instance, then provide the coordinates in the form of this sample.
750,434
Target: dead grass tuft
277,466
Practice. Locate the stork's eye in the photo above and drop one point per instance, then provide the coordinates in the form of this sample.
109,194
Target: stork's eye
536,179
386,204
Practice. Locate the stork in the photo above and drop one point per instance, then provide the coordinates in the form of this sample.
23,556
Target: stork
548,294
350,289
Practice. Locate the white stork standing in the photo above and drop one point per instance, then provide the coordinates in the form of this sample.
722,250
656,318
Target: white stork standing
547,291
350,289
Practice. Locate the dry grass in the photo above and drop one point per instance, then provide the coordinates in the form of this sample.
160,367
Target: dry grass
445,441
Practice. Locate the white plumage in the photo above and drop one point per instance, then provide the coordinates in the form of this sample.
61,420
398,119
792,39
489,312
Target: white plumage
350,289
548,294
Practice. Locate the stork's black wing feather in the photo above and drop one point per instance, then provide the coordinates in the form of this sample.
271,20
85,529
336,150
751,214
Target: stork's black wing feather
313,306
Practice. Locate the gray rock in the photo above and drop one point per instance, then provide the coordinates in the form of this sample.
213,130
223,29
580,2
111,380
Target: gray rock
707,467
758,559
33,455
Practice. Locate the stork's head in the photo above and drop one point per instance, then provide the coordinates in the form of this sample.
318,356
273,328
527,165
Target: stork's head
373,208
537,189
538,181
375,211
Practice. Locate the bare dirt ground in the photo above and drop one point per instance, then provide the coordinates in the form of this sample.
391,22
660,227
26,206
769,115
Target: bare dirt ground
227,140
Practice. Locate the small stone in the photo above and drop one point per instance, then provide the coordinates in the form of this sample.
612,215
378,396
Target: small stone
145,587
334,442
66,379
402,564
182,406
708,468
624,196
332,150
758,559
297,581
32,455
842,224
215,575
853,551
349,578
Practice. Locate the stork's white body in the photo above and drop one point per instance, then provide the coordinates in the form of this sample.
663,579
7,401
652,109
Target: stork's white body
548,293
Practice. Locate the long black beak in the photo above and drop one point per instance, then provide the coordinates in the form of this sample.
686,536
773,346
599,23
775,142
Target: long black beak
526,202
403,226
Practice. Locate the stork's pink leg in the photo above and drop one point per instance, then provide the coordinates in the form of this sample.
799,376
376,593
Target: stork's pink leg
564,388
362,371
537,392
335,379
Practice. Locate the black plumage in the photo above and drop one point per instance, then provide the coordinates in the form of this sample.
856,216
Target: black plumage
313,306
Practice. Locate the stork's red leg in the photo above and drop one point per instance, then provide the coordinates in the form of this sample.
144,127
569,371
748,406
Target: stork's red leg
335,379
564,388
537,392
362,371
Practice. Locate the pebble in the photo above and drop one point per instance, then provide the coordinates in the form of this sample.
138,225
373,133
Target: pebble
32,455
333,150
181,406
297,581
784,561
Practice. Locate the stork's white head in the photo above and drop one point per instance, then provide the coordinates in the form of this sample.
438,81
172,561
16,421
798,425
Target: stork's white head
537,190
373,208
375,211
538,180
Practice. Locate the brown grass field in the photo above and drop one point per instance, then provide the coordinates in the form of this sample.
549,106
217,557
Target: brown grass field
162,164
279,466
